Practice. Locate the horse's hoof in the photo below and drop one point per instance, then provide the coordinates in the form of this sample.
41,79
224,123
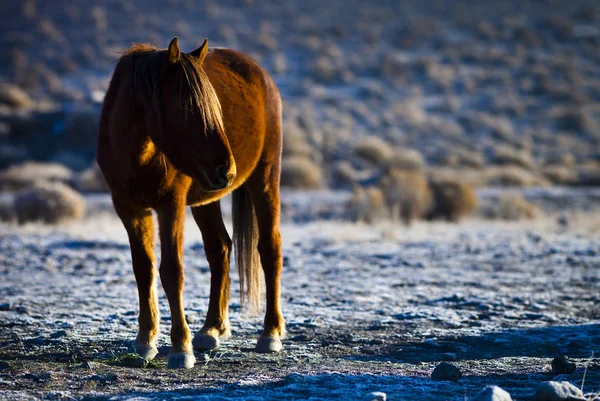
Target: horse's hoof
181,360
146,351
268,344
204,342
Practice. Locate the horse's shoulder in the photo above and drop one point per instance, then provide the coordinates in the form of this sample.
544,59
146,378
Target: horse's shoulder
237,62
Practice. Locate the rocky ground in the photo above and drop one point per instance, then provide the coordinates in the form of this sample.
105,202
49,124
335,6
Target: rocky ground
368,308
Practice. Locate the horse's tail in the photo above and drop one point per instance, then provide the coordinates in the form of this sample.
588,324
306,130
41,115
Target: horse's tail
245,241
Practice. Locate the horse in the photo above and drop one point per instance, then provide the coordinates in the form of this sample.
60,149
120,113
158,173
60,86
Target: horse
179,129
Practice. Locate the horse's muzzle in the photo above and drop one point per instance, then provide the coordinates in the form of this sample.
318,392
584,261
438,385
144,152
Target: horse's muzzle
223,177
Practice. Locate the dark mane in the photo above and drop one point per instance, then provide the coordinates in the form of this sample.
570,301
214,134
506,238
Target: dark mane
142,63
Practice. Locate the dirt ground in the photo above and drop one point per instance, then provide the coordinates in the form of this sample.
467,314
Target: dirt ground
367,309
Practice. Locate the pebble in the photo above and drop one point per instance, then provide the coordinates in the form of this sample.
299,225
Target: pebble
558,391
561,365
375,396
492,393
446,371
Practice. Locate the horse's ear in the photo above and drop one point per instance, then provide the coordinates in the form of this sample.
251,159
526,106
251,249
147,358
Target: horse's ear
173,52
200,52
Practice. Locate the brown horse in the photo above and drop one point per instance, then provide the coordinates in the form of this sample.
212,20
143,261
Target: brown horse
183,129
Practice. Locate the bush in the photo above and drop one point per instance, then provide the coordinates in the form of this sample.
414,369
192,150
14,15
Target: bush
511,207
373,149
23,175
48,202
91,180
463,158
300,173
509,156
513,176
366,204
452,200
559,175
406,193
14,96
406,159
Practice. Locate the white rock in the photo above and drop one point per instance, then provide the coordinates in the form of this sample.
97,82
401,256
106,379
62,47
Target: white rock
492,393
375,396
558,391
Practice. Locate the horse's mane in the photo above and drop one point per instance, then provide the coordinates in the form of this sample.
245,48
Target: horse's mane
142,64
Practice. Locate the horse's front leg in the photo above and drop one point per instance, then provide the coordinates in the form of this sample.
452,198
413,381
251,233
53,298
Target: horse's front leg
171,217
140,229
217,246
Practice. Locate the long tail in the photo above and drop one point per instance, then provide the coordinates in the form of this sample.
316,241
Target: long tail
245,240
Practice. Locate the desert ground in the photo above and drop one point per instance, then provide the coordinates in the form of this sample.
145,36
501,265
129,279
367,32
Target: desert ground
368,308
383,102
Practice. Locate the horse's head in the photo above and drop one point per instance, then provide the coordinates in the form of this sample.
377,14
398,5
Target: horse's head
193,135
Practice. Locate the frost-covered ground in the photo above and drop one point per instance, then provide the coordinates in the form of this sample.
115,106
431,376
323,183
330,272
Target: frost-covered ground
368,309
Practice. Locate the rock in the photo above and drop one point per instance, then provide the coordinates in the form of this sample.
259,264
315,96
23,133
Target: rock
375,396
492,393
558,391
6,306
446,371
561,365
60,334
89,365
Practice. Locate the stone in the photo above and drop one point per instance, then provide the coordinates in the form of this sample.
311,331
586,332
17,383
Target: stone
375,396
446,371
561,365
558,391
492,393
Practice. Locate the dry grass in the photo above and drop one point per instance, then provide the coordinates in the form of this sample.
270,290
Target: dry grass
406,194
374,150
559,175
452,200
300,173
24,175
48,202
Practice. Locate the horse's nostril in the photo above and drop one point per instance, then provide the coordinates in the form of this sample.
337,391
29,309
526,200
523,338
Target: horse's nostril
221,172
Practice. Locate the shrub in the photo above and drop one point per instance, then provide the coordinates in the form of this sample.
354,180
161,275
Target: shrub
406,193
463,158
373,149
91,180
559,175
510,207
452,200
366,204
23,175
513,176
14,96
344,174
510,156
406,159
48,202
300,173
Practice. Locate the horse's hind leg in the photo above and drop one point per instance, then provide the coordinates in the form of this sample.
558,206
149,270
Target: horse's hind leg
264,190
171,221
217,246
140,229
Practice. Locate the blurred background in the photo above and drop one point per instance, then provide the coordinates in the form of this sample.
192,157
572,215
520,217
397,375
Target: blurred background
419,106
